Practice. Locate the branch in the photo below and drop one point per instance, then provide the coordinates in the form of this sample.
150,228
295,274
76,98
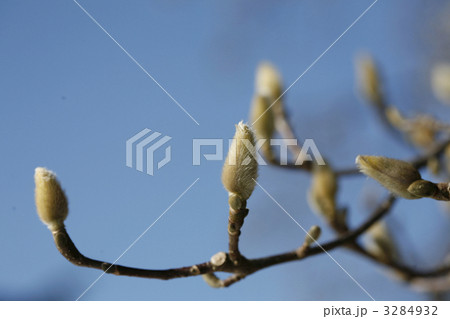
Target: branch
349,240
235,222
344,239
223,262
68,249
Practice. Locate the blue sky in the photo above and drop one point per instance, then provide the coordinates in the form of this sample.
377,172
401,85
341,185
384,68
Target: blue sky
71,97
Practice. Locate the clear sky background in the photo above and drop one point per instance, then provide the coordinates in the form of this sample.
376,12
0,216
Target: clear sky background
70,98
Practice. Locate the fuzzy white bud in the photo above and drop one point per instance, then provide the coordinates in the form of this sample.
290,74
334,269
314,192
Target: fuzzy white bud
393,174
241,168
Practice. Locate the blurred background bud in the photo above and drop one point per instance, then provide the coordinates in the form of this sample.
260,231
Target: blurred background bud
447,159
322,193
268,81
434,166
440,81
422,131
381,244
263,123
268,84
368,79
394,117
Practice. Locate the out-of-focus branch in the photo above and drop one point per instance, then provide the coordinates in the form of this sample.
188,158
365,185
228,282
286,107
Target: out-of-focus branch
349,240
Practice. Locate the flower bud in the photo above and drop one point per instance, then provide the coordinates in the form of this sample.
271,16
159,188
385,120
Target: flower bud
440,82
268,81
369,81
212,280
322,193
236,203
420,130
394,117
241,168
313,235
433,165
51,202
393,174
447,159
381,242
423,131
263,123
423,188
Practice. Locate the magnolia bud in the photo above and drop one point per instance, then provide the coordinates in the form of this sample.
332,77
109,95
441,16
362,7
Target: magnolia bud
212,280
440,82
235,202
312,235
433,165
263,123
268,81
368,78
423,188
393,174
382,244
322,192
423,131
241,168
447,159
395,117
51,202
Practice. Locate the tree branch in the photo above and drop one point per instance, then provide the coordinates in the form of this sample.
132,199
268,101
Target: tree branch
68,249
235,222
224,263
